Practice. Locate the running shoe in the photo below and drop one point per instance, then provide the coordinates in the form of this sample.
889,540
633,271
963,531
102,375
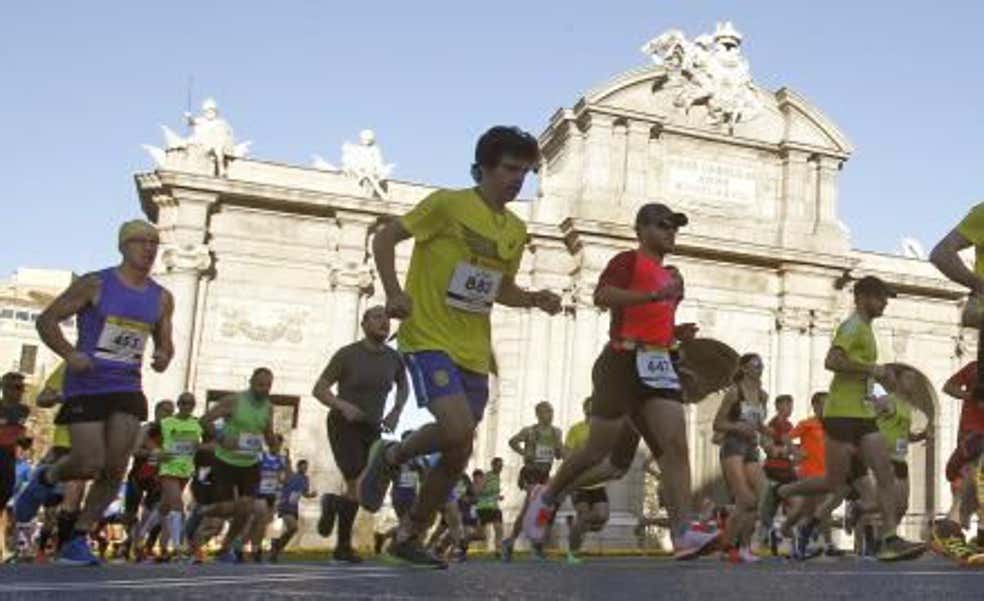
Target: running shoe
33,495
745,555
77,552
412,552
507,549
538,515
326,523
538,553
346,555
228,557
895,548
693,542
376,478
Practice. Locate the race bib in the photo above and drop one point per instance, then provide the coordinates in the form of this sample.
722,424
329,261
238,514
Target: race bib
543,454
751,414
473,288
408,479
901,447
249,442
204,473
122,340
293,498
182,447
268,485
655,369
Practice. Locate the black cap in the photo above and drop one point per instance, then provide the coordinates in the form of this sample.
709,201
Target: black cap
869,284
654,212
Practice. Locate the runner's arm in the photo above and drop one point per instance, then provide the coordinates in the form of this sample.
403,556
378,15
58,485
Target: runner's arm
80,293
163,341
384,252
722,422
269,433
221,409
511,295
514,442
945,257
48,398
955,388
837,361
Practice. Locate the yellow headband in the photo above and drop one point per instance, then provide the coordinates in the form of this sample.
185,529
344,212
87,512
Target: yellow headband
136,228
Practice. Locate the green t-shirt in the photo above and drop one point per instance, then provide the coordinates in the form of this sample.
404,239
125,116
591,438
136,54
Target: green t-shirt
849,392
245,426
488,497
180,438
895,428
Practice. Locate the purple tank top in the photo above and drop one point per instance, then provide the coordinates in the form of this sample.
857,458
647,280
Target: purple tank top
114,333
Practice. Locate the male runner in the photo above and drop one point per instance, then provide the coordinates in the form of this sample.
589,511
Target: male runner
13,416
247,424
778,467
590,503
406,482
635,375
467,250
298,485
849,417
118,309
539,445
180,436
143,486
948,537
274,470
489,492
365,372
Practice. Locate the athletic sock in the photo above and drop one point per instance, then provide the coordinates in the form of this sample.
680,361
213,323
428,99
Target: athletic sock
174,519
347,509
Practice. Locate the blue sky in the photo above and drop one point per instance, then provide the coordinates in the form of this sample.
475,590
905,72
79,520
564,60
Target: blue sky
85,83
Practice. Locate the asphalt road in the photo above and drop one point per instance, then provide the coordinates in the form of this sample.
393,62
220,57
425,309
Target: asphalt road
635,579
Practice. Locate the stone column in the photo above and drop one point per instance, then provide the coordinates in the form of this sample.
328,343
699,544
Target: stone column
636,163
597,161
182,260
796,177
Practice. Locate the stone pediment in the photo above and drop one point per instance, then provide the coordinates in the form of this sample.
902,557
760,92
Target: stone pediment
785,117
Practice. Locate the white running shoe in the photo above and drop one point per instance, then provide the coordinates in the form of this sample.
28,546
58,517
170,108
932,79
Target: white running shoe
693,542
538,516
745,555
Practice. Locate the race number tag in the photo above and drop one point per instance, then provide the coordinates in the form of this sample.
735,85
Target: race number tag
250,442
122,340
655,369
408,479
901,447
268,485
293,498
543,454
472,288
182,447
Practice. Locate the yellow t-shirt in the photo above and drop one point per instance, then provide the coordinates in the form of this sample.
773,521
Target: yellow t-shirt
895,428
972,228
462,249
848,393
577,437
60,437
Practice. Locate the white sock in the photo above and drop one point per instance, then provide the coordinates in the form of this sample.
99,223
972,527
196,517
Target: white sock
174,520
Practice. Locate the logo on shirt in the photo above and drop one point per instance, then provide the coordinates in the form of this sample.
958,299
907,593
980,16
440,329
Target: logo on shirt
441,378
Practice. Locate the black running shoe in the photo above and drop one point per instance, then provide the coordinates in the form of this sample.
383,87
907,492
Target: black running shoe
412,552
346,555
326,523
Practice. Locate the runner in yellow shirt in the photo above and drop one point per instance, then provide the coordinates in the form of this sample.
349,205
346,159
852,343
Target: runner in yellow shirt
849,419
591,502
467,250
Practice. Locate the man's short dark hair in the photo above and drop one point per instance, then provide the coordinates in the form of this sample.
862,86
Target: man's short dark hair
818,397
784,398
500,141
261,370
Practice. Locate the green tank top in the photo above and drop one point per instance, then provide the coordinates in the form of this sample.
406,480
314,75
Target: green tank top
542,445
488,497
246,426
180,438
895,428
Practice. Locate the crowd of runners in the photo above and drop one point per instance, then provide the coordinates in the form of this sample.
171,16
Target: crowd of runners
113,485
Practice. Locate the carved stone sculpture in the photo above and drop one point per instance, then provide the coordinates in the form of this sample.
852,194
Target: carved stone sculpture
211,137
709,71
364,162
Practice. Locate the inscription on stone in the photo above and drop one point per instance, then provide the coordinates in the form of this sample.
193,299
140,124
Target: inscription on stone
711,183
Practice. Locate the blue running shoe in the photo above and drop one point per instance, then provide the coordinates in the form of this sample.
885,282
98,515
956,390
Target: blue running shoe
35,493
77,552
227,557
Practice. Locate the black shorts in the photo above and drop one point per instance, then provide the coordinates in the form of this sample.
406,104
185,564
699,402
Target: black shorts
8,475
901,470
350,443
98,407
734,444
533,474
590,496
489,516
617,388
285,511
229,482
849,430
271,500
857,470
